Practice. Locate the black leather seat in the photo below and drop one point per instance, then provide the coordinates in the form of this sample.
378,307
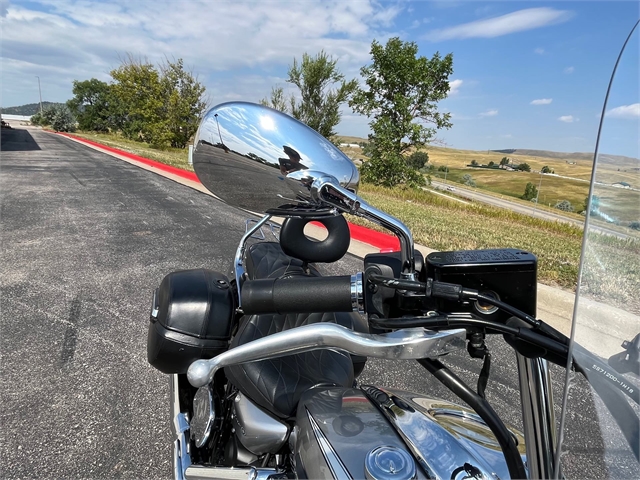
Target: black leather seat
267,260
277,384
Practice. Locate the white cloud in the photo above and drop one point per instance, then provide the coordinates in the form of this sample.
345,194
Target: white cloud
454,86
625,111
489,113
542,101
539,51
569,70
567,119
63,40
519,21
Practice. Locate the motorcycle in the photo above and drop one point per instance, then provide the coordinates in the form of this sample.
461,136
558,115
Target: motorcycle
264,361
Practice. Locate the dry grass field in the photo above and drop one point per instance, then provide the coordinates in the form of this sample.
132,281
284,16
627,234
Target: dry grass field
572,172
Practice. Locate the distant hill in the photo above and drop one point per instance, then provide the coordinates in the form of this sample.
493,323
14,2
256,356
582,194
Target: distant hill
612,159
28,109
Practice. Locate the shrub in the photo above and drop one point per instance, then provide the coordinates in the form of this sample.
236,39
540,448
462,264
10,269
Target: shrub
417,160
565,206
36,119
63,120
467,179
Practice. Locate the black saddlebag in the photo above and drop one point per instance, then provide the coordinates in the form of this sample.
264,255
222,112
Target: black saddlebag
191,319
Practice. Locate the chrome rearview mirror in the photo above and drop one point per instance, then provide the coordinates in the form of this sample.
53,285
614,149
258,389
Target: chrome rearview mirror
244,153
258,159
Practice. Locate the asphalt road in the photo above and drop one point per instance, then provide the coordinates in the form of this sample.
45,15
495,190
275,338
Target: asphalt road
85,239
477,196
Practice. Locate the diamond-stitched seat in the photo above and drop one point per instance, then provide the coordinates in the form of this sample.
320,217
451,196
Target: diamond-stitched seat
277,384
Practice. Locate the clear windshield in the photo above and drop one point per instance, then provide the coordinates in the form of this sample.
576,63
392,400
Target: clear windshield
607,313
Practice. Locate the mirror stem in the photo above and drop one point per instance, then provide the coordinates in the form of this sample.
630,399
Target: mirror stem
330,192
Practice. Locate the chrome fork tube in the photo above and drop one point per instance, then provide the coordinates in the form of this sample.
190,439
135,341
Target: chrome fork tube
537,415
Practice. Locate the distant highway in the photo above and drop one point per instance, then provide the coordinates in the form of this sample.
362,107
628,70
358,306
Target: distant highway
461,191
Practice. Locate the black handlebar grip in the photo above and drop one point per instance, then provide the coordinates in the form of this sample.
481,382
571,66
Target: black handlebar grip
297,295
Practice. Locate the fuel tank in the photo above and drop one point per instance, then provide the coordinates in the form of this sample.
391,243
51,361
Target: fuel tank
375,433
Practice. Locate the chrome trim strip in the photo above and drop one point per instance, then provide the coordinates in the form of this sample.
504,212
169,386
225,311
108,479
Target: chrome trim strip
238,262
538,417
404,344
338,470
154,305
357,293
198,472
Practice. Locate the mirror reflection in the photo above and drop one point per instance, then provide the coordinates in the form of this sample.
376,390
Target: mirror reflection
244,152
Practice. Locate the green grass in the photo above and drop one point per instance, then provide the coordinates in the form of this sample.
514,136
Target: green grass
443,224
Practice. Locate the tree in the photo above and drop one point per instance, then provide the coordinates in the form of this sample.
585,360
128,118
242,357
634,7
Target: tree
546,169
564,205
443,168
530,192
161,106
322,90
417,160
524,167
491,164
277,100
474,163
91,105
184,102
467,179
401,98
138,88
505,161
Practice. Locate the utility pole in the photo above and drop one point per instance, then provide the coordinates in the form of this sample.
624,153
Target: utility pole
537,194
40,92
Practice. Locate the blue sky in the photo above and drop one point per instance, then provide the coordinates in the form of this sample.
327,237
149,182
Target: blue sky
526,74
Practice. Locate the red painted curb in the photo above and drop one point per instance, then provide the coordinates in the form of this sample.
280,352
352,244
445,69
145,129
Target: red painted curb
383,241
152,163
